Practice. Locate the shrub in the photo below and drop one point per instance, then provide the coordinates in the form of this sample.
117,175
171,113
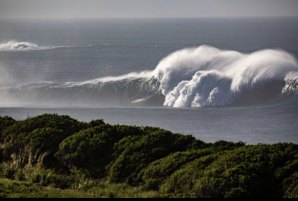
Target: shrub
137,152
156,172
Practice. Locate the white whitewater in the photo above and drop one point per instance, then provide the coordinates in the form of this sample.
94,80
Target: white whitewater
207,76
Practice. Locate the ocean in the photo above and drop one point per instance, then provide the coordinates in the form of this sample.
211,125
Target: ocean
216,79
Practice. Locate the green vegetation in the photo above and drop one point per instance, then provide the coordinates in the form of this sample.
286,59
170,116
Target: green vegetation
18,189
57,156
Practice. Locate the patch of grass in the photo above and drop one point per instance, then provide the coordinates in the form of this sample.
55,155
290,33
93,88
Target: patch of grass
110,190
18,189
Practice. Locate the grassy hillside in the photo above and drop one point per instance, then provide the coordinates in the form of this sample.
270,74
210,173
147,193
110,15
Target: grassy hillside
57,156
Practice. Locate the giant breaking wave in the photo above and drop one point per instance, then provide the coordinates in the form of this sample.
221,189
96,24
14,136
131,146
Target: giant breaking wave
192,77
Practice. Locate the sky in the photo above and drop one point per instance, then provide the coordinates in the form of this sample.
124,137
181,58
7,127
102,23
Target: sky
77,9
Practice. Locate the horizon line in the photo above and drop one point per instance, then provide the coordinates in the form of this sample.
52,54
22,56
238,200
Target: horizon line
153,18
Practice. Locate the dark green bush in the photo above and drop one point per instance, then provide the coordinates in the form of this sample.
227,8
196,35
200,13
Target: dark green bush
64,123
89,149
181,182
137,152
92,149
5,122
158,171
290,186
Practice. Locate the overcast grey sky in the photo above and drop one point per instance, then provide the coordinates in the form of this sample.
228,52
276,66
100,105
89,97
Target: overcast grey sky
52,9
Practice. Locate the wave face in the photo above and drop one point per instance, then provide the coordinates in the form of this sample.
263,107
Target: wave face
192,77
25,46
128,90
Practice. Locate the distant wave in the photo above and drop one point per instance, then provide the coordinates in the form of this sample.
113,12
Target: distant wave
192,77
13,45
26,46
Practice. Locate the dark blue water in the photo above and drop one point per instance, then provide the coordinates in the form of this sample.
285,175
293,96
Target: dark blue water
101,48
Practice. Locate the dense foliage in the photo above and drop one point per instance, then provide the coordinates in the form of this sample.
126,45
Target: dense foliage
58,151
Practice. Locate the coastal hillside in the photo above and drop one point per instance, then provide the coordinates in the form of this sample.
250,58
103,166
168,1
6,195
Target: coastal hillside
57,156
